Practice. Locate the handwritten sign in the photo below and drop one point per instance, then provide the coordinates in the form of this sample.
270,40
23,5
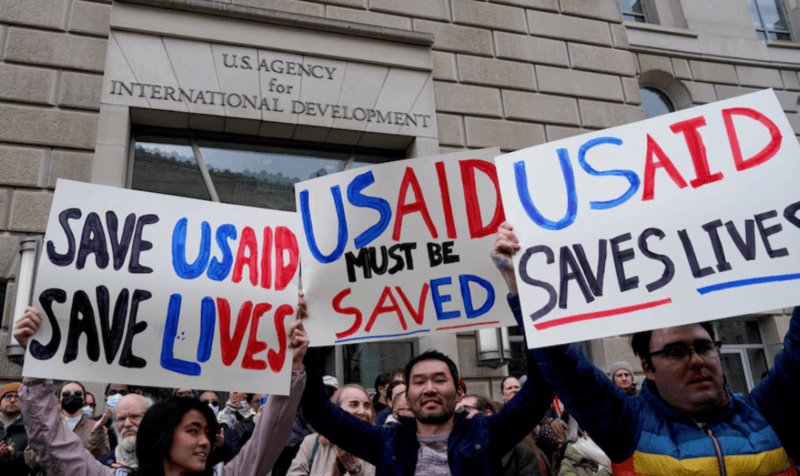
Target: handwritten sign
150,289
682,218
402,249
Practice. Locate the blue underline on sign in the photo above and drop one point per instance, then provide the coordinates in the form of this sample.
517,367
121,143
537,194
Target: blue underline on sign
748,282
378,337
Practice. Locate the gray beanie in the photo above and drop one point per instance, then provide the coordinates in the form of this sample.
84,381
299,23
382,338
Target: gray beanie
618,366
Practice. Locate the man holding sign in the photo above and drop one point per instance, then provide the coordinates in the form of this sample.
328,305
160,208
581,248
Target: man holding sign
685,418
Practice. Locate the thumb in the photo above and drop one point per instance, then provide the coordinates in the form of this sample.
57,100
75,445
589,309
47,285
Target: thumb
222,432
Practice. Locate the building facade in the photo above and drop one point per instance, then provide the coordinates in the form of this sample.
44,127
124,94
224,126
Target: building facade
236,100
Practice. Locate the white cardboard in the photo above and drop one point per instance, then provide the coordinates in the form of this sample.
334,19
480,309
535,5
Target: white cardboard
164,282
346,319
740,195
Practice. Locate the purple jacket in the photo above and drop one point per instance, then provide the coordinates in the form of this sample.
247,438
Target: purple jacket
62,452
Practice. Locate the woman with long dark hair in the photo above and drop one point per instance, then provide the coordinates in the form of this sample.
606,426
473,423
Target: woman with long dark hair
174,438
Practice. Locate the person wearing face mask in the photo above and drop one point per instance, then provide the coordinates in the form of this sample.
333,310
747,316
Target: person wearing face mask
114,393
92,433
89,405
318,456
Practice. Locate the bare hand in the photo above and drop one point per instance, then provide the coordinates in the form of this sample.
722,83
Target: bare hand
505,246
219,441
26,326
297,336
348,461
103,419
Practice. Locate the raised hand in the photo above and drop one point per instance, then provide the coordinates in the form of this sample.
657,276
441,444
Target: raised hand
26,326
502,252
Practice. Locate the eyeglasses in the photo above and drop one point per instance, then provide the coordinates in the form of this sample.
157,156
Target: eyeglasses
187,393
9,396
67,393
679,352
134,417
114,392
212,402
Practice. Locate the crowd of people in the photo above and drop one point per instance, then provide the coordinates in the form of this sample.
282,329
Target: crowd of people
563,417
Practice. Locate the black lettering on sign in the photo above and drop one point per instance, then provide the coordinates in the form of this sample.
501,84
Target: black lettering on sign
81,320
119,245
525,277
93,240
747,247
770,230
113,332
566,260
65,259
127,359
46,352
620,257
669,266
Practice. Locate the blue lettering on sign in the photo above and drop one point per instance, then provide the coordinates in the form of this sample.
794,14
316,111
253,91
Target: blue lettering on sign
218,270
357,199
633,179
182,268
521,176
168,360
466,295
309,227
439,299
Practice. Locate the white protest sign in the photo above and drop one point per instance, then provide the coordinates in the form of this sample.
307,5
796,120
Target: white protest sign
402,249
678,219
150,289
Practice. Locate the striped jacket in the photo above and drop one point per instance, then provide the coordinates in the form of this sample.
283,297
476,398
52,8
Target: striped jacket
756,435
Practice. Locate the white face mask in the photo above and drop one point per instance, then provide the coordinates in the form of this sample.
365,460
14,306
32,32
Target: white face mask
214,408
88,411
112,400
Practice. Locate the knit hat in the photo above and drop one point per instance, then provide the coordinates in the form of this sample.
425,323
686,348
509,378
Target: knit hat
11,387
619,366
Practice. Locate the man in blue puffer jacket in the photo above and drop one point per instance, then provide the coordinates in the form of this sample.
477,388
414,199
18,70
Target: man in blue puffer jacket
685,420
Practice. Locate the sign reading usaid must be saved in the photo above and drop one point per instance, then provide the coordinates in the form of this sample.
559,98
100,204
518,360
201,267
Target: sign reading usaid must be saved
197,77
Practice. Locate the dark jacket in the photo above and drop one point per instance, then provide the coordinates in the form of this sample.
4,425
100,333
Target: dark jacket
521,461
759,430
475,446
15,434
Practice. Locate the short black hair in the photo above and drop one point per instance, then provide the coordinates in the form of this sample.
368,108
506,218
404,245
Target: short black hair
391,387
382,380
432,355
110,384
640,341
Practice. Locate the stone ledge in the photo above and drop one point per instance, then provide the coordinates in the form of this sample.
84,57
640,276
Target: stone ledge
261,15
661,29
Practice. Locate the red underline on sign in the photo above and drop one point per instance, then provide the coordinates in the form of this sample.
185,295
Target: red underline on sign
467,325
596,315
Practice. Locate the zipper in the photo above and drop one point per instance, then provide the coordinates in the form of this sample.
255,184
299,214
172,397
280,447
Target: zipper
720,459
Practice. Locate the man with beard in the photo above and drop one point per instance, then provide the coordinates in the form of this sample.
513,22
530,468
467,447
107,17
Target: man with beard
128,414
437,441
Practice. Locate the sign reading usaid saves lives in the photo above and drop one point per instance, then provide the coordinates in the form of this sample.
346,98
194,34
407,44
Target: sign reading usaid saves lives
682,218
402,249
151,289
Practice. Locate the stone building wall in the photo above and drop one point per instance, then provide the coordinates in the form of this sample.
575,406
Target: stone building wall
52,57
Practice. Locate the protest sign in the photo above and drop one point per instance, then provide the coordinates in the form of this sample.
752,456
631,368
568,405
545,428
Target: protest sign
151,289
402,249
678,219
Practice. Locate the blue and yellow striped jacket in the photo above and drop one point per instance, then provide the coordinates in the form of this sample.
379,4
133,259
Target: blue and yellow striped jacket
756,435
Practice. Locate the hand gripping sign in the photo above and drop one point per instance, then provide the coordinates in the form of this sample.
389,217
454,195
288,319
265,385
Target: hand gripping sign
402,249
149,289
678,219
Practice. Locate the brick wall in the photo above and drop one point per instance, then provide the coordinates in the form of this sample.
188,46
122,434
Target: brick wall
52,56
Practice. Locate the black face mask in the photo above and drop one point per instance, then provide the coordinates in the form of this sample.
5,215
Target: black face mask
71,403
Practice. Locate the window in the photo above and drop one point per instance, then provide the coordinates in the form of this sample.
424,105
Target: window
633,10
655,102
744,360
769,20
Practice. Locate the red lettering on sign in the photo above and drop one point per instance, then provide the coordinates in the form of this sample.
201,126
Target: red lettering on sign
419,205
650,167
766,153
697,150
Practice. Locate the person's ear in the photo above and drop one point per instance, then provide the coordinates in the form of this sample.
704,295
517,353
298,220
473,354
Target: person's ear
488,412
649,370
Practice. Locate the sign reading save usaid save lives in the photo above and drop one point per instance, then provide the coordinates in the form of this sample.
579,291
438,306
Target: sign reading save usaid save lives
156,290
402,249
682,218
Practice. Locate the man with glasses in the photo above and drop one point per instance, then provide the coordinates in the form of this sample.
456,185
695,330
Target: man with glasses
13,438
685,419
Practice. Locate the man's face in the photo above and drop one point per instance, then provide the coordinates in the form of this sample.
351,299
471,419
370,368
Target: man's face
510,388
128,414
469,405
356,402
254,402
116,388
236,397
9,405
398,389
184,392
692,384
623,379
431,392
401,407
210,398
